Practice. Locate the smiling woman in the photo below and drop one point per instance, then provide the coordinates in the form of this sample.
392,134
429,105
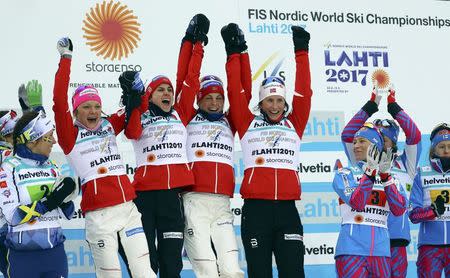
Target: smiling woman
91,149
34,198
271,183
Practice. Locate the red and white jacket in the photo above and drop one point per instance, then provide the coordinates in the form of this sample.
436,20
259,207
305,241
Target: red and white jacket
105,188
150,176
212,166
271,183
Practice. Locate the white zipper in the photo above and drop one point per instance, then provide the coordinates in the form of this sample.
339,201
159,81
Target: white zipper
95,186
48,237
251,176
351,229
215,185
403,221
191,166
123,193
168,176
145,171
20,237
276,184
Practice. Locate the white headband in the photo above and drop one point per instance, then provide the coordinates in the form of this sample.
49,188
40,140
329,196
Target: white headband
36,129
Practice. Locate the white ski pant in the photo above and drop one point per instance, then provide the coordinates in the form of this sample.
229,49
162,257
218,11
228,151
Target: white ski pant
103,226
209,219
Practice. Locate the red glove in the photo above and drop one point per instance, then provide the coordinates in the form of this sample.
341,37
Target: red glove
391,96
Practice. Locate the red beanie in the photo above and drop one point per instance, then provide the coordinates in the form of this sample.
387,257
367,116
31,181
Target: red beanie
156,82
208,85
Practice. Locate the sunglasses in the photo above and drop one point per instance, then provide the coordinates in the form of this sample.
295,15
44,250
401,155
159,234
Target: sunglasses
369,125
372,126
384,123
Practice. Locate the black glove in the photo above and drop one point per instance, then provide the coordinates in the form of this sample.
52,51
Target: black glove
438,206
131,82
197,29
234,39
300,37
132,91
59,193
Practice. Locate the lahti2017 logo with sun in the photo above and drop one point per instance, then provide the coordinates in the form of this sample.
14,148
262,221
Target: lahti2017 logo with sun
111,30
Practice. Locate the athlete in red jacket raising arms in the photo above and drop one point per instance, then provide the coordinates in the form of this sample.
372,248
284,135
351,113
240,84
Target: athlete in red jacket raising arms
90,146
270,145
210,149
159,139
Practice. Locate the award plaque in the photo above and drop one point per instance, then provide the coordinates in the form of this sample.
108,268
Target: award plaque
381,78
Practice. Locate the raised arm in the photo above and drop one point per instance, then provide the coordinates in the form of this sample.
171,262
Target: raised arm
184,57
191,85
30,97
411,154
246,75
65,128
357,121
396,200
189,65
135,103
235,44
301,103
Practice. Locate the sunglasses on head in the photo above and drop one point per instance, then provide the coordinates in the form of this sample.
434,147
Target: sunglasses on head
372,126
369,125
384,123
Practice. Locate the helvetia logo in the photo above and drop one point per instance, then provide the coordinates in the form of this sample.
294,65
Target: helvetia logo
111,30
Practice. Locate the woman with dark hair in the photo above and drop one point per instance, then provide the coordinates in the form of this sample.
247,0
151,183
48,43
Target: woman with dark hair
430,201
34,198
159,140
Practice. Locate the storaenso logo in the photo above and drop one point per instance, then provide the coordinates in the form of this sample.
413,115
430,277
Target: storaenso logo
30,175
111,31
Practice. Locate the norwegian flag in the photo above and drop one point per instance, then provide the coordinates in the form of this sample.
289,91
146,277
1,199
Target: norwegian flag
273,90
